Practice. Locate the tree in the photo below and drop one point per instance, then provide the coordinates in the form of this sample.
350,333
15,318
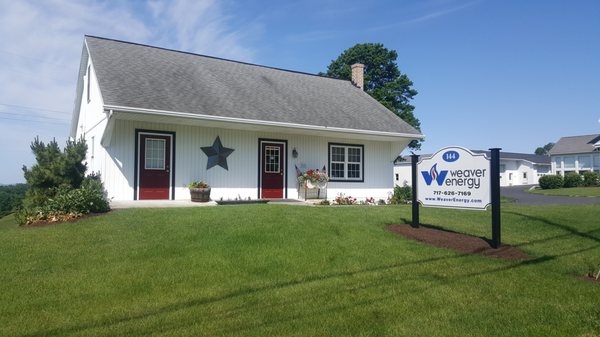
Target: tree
383,79
544,150
55,168
11,197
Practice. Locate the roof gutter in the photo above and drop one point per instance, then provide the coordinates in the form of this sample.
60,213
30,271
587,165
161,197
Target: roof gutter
261,122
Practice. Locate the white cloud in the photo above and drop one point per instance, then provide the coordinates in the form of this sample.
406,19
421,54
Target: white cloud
42,43
202,26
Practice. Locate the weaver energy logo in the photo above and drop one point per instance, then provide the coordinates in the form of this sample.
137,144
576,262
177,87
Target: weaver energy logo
434,175
454,177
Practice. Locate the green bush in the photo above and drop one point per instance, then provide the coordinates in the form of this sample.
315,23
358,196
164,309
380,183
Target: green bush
68,203
591,179
402,194
572,180
549,182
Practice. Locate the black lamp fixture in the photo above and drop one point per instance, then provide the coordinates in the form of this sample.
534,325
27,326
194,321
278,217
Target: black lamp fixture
294,153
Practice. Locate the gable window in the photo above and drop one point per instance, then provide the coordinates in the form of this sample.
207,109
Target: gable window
346,162
88,83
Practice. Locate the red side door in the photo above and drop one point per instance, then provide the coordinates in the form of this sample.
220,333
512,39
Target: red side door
272,170
154,166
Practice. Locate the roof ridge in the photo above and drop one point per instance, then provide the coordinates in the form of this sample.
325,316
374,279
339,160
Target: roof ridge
215,57
590,135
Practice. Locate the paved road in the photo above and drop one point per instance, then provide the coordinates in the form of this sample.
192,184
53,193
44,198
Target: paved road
525,198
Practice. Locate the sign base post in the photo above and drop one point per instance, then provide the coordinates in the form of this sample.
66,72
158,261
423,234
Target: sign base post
414,158
495,194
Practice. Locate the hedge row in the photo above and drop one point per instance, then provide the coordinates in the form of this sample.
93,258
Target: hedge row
588,179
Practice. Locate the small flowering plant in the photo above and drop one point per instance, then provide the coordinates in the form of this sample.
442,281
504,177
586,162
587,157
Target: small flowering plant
341,199
314,176
370,201
199,184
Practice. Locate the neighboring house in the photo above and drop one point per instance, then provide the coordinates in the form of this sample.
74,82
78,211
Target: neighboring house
515,168
157,119
576,154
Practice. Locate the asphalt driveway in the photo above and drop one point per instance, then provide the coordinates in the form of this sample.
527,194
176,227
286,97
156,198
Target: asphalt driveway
525,198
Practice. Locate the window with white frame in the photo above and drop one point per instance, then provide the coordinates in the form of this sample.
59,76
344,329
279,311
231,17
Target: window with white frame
557,163
272,159
585,162
569,162
155,154
346,162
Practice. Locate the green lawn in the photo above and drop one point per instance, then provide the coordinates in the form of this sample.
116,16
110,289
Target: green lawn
273,270
571,192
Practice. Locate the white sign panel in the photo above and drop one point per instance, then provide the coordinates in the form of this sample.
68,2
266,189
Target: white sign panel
454,177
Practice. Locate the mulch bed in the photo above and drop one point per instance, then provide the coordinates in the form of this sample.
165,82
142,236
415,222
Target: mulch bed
459,242
48,223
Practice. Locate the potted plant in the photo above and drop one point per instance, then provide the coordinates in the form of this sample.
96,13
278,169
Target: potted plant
314,179
199,191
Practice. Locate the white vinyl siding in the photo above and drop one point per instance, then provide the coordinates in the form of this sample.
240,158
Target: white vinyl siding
117,162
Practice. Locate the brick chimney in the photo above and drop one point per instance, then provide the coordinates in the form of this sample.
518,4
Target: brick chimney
358,75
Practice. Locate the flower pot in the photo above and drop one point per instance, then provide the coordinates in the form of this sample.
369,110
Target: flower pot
316,184
200,194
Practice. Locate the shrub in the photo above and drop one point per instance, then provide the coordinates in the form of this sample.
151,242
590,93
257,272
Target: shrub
591,179
572,180
68,203
324,202
549,182
402,194
54,168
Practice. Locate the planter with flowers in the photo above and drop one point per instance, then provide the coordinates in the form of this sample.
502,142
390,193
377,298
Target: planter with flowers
314,179
199,191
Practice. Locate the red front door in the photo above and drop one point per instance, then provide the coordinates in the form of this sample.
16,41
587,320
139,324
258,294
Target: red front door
154,166
272,169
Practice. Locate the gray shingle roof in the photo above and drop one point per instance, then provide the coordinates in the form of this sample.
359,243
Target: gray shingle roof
140,76
575,144
534,158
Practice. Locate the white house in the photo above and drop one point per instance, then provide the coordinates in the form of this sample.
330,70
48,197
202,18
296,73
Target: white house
576,154
157,119
515,168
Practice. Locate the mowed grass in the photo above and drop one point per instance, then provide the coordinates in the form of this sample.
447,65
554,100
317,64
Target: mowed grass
571,192
274,270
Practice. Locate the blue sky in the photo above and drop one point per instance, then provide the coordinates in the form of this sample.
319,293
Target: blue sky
511,74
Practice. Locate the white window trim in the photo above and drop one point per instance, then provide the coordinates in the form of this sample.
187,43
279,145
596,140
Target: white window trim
346,162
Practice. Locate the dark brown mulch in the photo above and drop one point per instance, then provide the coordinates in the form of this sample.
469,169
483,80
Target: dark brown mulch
70,220
459,242
591,278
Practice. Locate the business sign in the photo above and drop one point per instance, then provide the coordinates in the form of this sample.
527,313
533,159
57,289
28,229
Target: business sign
454,177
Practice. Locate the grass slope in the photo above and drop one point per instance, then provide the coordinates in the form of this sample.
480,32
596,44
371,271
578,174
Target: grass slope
571,192
260,270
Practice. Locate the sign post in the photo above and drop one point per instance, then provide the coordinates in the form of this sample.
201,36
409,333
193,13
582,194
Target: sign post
414,159
495,173
455,177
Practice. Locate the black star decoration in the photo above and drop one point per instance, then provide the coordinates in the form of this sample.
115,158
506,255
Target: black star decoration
217,154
